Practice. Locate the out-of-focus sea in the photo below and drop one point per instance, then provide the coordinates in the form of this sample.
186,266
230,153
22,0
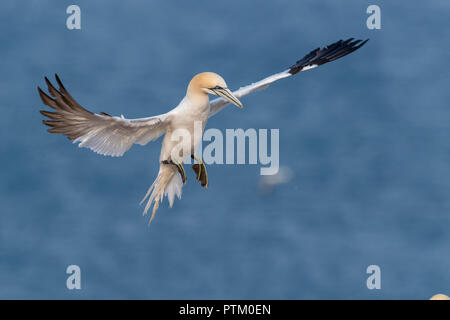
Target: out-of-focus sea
366,137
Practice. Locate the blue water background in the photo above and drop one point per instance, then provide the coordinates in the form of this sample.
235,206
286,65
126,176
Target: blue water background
367,138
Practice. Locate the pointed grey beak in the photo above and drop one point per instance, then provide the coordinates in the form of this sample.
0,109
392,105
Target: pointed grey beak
227,95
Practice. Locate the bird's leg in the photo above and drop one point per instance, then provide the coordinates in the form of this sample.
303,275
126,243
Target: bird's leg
179,167
182,172
198,167
200,170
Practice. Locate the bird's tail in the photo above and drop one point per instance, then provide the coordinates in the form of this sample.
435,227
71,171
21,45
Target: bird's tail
168,183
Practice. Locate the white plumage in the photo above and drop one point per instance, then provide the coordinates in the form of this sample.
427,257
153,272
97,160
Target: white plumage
113,136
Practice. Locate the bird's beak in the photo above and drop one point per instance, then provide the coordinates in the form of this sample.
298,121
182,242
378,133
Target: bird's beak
227,95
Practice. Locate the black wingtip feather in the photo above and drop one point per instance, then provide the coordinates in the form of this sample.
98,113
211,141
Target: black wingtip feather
58,80
51,88
45,98
329,53
44,112
48,82
48,123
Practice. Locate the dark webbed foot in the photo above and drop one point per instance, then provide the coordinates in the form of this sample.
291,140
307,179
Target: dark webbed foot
200,172
179,167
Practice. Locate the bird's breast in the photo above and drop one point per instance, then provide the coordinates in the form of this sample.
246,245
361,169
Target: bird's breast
185,129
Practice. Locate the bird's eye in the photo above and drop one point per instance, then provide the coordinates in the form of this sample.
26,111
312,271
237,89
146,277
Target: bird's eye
217,87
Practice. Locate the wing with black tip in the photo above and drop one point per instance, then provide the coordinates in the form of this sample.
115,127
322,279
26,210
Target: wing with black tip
102,133
312,60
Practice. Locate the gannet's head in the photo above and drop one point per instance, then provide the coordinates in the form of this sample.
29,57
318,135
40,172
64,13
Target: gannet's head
212,83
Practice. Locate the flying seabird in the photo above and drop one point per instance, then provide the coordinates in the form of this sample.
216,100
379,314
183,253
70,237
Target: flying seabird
113,136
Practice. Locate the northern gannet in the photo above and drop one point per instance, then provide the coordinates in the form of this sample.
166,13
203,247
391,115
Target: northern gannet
113,136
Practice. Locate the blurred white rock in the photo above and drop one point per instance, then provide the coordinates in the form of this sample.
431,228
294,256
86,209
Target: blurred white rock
267,184
440,296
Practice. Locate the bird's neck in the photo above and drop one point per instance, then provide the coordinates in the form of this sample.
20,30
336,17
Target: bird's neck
198,98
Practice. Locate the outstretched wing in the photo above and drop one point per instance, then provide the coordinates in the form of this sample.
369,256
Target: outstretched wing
102,133
312,60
